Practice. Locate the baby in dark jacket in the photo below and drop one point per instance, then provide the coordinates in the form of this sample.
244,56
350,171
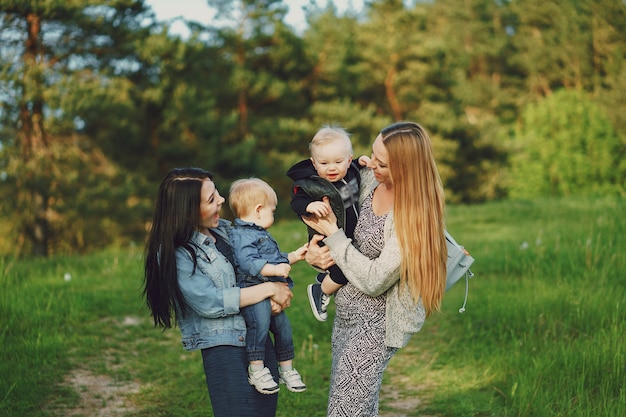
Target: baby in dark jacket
329,172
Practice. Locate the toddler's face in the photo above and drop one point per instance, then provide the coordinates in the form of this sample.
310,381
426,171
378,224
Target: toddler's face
266,215
331,160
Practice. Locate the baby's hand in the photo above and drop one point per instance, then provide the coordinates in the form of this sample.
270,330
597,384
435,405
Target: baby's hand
364,160
282,270
319,208
298,254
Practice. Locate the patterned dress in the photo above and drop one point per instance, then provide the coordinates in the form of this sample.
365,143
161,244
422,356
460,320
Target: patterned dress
358,342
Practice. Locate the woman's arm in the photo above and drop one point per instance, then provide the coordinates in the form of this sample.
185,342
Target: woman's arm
210,300
370,276
278,292
200,291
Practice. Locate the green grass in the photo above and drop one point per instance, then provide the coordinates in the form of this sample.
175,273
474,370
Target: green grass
543,333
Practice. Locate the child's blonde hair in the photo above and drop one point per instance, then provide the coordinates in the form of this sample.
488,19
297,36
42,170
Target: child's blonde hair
330,133
245,194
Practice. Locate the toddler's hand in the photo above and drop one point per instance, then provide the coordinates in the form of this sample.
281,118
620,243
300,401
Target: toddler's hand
300,252
319,208
282,270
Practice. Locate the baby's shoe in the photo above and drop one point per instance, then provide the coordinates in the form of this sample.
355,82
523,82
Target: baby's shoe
263,381
292,380
319,301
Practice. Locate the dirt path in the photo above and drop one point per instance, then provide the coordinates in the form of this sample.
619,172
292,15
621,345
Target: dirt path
400,396
102,396
99,395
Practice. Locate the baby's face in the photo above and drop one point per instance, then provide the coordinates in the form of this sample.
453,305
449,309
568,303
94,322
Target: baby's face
331,160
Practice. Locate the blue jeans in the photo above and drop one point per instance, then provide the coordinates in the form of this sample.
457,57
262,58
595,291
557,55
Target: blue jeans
226,371
259,321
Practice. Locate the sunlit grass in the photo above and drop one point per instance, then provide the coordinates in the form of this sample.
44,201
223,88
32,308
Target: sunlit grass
542,335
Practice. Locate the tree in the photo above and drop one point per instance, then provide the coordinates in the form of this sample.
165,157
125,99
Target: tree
261,100
338,83
565,145
437,63
569,44
44,44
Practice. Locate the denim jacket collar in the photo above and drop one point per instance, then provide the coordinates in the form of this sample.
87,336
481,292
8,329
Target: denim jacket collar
239,222
221,230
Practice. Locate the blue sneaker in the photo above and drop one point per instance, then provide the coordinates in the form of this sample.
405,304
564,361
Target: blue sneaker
320,277
319,301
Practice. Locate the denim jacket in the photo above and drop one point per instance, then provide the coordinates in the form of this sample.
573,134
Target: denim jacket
253,247
211,296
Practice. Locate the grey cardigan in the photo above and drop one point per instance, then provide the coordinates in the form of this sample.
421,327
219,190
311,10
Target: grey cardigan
380,275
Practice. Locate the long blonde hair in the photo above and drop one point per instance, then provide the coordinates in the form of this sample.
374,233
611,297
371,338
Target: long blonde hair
418,212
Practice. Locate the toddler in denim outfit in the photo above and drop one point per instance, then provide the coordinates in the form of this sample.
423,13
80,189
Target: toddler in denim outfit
259,260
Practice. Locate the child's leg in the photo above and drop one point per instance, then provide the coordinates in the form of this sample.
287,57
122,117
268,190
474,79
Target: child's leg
319,300
283,339
335,276
257,318
329,287
319,294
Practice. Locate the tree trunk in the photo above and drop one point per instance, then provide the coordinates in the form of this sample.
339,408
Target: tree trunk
33,139
390,92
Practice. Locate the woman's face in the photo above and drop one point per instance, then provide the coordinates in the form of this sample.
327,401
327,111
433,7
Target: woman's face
379,163
210,205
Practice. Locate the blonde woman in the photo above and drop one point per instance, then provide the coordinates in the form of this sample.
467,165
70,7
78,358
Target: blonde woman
396,265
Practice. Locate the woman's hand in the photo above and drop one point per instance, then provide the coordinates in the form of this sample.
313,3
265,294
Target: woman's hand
326,225
282,295
318,256
276,308
278,293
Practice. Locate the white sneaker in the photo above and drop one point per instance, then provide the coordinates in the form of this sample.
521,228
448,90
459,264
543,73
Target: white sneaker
263,381
292,380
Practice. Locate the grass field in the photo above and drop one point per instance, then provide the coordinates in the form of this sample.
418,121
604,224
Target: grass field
543,333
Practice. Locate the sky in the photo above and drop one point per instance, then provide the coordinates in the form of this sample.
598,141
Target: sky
199,11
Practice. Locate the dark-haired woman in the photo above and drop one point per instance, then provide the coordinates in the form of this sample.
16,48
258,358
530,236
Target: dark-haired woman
189,275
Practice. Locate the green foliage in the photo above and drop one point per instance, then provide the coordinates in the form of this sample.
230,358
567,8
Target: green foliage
565,145
243,95
106,193
48,48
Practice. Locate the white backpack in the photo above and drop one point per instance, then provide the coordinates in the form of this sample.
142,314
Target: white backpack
458,265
